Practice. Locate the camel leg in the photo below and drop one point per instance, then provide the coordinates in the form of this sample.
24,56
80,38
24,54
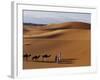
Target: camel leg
26,59
33,59
42,59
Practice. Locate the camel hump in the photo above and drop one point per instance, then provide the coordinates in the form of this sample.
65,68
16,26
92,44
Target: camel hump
46,55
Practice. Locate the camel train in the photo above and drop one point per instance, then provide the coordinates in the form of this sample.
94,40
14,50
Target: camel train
44,57
36,57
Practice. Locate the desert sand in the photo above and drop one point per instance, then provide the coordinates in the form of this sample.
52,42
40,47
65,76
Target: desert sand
71,39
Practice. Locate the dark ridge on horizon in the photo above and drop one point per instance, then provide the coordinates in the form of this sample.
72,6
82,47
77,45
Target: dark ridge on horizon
34,24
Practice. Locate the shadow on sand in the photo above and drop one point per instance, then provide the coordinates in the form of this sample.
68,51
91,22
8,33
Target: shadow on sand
62,61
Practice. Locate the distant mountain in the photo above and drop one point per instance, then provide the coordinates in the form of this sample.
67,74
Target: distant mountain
34,24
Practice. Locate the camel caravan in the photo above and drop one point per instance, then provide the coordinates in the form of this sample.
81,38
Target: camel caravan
44,57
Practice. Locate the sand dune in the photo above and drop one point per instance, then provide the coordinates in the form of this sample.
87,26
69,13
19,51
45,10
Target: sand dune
69,25
57,29
47,34
72,39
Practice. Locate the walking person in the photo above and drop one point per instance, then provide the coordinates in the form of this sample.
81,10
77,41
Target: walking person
58,58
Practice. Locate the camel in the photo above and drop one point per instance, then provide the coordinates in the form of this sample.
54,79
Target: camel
35,58
26,56
45,56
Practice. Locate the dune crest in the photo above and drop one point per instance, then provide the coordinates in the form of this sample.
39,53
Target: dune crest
69,25
47,34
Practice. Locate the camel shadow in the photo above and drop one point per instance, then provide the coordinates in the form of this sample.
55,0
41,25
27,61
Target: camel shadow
62,61
67,61
45,61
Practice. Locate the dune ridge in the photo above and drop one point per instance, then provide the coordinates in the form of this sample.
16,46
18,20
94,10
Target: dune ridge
68,25
47,34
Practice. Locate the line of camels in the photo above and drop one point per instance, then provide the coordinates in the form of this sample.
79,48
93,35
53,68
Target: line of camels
57,59
36,57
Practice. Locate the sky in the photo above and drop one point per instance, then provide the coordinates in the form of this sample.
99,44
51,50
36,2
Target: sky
48,17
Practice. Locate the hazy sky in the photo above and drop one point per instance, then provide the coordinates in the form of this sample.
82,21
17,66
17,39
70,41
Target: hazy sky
43,17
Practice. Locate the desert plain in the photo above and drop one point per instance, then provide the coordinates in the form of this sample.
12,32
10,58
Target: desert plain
71,39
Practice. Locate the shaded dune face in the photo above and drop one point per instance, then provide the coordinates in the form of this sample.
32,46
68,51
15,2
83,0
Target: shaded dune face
72,39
